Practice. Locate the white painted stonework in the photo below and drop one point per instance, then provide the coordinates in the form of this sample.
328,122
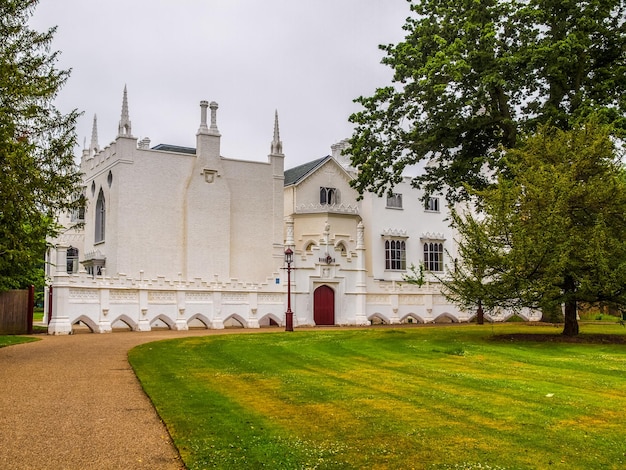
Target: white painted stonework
182,237
101,303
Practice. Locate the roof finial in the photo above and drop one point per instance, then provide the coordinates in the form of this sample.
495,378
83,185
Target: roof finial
124,129
94,147
277,145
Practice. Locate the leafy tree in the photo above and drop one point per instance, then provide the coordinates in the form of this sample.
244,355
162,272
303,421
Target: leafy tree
551,231
471,76
38,175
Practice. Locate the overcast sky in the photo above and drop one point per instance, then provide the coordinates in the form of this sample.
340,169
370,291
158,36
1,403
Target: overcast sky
306,59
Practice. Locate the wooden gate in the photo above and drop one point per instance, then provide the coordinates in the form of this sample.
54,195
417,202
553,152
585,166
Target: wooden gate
16,312
324,306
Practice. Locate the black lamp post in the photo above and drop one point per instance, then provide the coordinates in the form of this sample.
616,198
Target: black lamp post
288,313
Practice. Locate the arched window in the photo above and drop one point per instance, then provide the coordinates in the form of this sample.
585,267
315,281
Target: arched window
432,204
100,218
394,201
433,256
328,196
78,215
72,260
395,255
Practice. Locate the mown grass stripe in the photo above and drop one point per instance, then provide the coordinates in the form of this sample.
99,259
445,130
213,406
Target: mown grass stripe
434,398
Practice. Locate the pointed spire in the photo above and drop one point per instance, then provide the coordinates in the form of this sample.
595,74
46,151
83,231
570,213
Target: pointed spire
124,129
277,145
93,146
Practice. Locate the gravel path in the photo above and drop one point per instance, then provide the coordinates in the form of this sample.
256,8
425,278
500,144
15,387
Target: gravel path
73,402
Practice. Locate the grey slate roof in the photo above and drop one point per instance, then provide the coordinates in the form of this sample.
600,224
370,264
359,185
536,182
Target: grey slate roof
294,175
174,148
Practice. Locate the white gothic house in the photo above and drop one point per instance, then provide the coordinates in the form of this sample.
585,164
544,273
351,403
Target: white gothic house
185,237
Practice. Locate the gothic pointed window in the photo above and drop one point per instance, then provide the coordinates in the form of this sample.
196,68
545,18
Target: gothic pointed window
78,215
395,255
432,204
100,218
433,256
394,201
328,196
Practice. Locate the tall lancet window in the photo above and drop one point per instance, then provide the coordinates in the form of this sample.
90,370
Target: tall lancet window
100,218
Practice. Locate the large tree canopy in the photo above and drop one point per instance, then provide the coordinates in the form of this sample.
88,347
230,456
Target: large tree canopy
471,76
38,175
551,232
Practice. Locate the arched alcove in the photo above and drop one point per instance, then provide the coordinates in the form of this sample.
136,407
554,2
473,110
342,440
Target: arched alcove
378,319
198,321
83,324
411,318
124,323
234,321
161,322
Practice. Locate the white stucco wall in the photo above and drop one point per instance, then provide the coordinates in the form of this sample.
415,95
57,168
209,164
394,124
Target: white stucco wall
413,221
198,237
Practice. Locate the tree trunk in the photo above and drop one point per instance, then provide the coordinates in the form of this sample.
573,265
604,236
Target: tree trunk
480,314
570,328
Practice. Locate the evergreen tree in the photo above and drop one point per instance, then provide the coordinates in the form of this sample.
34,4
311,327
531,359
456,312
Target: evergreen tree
38,175
551,231
471,76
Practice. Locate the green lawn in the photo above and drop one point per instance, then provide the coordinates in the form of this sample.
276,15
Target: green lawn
391,398
8,340
38,314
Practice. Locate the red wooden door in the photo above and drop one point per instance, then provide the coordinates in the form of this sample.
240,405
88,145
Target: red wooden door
324,306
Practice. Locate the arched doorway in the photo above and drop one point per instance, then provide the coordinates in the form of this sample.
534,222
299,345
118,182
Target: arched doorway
324,306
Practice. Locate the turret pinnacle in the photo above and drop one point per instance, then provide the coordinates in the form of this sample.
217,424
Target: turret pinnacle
93,146
277,145
124,129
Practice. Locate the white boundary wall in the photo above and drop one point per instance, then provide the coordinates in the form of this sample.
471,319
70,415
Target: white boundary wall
101,302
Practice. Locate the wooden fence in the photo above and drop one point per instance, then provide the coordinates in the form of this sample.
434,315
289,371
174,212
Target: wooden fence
16,312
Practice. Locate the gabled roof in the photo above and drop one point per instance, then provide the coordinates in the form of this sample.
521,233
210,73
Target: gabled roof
294,175
174,148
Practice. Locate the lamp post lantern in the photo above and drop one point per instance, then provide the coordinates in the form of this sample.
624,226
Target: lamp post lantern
288,313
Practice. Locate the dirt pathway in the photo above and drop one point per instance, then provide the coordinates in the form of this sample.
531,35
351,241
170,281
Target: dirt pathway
73,402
